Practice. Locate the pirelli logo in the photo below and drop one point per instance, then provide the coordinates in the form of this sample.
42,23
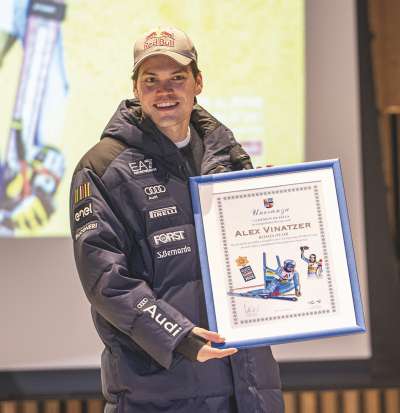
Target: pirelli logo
81,192
162,212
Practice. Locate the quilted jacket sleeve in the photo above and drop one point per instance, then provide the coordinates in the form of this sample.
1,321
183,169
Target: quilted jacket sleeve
101,248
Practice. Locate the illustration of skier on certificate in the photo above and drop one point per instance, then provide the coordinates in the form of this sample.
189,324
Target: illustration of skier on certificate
314,267
31,163
280,283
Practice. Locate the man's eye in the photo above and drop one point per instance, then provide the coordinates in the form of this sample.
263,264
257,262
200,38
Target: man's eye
149,80
178,77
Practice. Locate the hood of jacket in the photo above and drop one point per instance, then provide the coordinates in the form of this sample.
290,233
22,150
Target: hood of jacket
129,126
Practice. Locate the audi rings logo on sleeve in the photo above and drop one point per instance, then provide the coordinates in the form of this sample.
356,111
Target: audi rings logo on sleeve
155,191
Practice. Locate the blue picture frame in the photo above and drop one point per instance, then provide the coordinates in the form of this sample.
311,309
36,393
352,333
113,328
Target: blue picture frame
334,166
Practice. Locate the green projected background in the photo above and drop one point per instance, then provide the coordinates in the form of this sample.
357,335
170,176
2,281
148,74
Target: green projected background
251,55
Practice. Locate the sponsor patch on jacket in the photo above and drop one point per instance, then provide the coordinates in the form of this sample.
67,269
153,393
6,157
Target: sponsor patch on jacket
81,192
147,306
155,191
83,212
163,212
173,252
142,167
168,237
90,226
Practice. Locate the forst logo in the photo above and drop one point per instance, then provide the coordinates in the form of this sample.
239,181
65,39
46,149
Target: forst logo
83,212
168,237
142,167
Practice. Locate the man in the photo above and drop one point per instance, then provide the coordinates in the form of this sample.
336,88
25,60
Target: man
279,282
283,279
135,247
314,267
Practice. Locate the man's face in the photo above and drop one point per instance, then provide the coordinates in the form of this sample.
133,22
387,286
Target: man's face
166,91
289,268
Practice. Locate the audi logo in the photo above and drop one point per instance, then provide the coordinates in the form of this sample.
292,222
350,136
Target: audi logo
155,189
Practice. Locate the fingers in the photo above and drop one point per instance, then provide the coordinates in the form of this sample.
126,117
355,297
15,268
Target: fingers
208,353
224,352
208,335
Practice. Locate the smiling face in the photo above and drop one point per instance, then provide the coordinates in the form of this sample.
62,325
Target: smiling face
166,91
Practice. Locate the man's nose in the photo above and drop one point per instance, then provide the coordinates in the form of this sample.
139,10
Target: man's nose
165,86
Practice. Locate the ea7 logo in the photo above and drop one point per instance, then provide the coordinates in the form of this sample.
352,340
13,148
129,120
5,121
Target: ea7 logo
83,212
142,167
168,237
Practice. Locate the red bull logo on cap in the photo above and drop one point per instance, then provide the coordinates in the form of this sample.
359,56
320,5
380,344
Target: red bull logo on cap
159,38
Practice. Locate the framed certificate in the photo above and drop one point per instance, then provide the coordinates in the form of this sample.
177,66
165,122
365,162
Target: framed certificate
276,254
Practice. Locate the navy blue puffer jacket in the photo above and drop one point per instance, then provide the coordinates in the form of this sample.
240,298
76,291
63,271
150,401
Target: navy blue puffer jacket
136,254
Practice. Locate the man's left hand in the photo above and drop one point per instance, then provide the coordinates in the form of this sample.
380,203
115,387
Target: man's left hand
207,352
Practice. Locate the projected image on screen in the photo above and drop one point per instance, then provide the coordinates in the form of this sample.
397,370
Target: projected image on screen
65,66
32,161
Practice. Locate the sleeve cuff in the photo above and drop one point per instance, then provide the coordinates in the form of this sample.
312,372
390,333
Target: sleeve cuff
190,346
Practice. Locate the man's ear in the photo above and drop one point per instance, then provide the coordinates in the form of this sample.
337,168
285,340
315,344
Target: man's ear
199,84
135,91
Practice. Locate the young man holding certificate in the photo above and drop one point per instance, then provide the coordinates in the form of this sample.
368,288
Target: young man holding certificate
136,253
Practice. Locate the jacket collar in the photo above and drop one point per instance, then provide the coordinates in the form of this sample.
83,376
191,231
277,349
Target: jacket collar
130,126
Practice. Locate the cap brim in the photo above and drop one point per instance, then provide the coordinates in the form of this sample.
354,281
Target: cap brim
182,60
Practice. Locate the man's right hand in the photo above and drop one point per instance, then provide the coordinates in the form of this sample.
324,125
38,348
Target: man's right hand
207,352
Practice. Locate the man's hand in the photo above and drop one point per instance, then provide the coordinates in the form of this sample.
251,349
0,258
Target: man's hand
207,352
